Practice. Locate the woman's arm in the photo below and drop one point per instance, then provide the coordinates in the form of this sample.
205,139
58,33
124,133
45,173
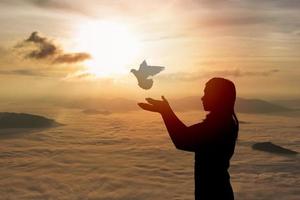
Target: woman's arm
177,130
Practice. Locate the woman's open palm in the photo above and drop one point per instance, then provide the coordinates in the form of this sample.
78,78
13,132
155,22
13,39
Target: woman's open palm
154,105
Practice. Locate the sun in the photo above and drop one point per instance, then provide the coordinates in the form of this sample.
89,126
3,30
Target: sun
111,45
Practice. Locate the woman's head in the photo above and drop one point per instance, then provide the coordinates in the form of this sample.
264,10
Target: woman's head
219,95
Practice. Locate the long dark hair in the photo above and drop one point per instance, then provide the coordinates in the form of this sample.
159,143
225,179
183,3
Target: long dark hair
224,96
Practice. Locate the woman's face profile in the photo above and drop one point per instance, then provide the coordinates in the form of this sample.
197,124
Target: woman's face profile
207,100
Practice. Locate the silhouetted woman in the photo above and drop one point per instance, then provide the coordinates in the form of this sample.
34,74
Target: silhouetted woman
213,140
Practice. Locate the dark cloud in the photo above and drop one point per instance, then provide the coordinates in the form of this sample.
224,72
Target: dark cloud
22,72
47,49
72,58
223,73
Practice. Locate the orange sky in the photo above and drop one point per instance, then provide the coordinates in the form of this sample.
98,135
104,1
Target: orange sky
96,43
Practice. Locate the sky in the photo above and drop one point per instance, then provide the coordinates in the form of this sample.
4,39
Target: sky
66,49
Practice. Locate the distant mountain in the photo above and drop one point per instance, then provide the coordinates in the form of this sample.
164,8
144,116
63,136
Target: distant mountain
291,103
258,106
242,105
23,120
90,105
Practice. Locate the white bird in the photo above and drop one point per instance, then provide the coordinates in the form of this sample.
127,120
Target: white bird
143,74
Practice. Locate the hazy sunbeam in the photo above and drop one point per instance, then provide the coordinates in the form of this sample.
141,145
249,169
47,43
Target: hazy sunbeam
112,46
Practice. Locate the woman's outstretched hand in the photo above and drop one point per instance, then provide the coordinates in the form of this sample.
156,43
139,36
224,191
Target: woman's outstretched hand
154,105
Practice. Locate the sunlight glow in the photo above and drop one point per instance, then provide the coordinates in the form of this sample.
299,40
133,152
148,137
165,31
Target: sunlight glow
111,45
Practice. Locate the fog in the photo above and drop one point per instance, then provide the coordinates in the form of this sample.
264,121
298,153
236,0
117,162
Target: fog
129,156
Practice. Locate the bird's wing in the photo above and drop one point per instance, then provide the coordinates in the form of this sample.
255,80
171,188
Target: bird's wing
147,70
143,65
152,70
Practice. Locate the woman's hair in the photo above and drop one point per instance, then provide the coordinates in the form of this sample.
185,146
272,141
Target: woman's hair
224,95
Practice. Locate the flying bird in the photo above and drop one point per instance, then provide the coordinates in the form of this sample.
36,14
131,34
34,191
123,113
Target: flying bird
143,74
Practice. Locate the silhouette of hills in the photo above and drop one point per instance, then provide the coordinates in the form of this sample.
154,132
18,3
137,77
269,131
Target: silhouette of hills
23,120
291,103
242,105
191,103
258,106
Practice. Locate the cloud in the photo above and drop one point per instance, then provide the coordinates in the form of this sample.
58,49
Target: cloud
235,20
265,4
261,73
46,49
80,76
296,32
223,73
239,73
288,4
71,6
243,16
22,72
72,57
166,37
